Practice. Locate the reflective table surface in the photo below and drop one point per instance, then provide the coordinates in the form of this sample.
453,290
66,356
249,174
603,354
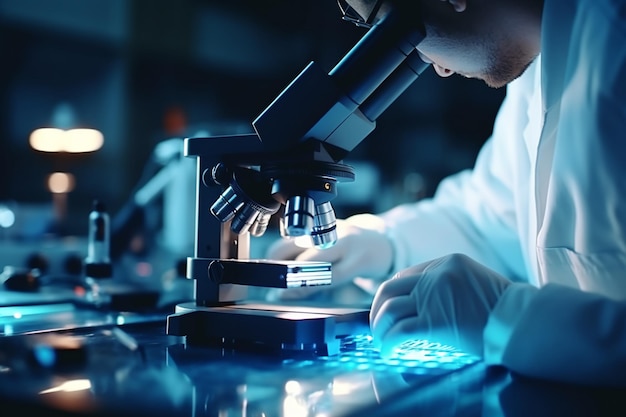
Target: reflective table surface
60,358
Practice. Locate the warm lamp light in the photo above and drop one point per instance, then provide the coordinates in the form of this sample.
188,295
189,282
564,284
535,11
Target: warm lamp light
60,182
63,137
68,386
50,139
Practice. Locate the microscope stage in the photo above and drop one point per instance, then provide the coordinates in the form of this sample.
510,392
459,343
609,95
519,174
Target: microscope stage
268,327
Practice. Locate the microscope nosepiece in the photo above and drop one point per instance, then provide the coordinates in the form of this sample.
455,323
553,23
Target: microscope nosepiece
247,202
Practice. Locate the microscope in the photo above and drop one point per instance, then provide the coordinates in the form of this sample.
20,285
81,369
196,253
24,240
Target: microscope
294,160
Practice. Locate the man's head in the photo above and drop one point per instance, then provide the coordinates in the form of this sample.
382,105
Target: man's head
492,40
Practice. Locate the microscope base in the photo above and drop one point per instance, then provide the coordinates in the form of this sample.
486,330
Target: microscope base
266,327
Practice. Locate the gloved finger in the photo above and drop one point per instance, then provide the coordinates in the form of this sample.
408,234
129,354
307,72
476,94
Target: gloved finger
404,282
400,284
409,328
423,328
414,328
318,255
391,311
283,249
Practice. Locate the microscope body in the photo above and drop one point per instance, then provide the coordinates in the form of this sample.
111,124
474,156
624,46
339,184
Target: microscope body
236,194
293,160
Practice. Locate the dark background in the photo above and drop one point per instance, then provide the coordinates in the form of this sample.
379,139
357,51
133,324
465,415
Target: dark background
128,67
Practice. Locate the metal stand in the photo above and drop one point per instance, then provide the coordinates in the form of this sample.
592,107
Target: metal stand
222,272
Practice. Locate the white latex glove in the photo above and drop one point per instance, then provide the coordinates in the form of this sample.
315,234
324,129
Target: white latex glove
362,250
447,300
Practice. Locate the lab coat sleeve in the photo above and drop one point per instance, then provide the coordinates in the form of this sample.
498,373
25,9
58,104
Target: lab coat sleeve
472,212
558,333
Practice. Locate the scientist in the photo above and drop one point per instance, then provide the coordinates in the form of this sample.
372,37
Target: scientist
522,259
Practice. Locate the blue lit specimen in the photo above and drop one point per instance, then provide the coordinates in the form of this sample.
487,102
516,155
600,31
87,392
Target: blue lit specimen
416,357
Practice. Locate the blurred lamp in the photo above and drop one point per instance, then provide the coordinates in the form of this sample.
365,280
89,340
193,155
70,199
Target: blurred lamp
60,182
64,137
60,139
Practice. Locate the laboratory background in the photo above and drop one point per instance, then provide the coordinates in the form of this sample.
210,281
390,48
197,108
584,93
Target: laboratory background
97,98
142,72
120,294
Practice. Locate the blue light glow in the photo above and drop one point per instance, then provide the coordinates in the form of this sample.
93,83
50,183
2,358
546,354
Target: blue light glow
7,217
45,355
414,357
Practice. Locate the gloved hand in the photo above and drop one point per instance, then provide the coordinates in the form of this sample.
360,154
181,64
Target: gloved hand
447,300
362,250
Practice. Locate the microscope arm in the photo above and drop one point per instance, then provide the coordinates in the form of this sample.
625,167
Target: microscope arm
340,108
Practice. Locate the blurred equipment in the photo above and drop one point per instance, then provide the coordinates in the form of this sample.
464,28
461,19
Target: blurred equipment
293,160
178,197
63,137
170,176
102,290
98,261
20,279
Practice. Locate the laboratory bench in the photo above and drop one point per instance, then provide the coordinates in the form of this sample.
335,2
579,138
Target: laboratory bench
68,358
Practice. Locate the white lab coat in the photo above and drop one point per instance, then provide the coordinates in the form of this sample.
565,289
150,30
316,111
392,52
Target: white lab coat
546,203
